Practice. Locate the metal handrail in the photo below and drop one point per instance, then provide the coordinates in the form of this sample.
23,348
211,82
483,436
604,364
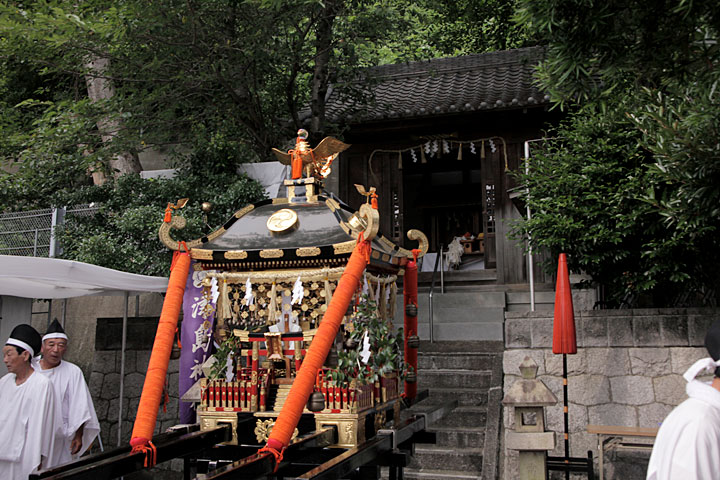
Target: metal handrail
432,287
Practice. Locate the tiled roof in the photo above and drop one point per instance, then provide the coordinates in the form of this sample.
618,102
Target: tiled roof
488,81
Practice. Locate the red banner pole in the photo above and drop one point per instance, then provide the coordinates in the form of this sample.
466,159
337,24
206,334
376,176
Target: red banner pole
410,326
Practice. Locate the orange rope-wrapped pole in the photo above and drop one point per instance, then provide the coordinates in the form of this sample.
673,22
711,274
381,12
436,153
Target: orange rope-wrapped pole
304,382
160,357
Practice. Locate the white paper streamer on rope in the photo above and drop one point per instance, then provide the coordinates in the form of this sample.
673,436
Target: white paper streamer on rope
297,292
229,374
365,289
214,290
492,145
365,352
249,297
377,293
445,146
472,148
413,155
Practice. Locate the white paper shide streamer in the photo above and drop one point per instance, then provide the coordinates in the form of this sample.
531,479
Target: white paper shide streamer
297,292
249,297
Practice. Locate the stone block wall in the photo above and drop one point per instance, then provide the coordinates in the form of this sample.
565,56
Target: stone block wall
628,371
104,381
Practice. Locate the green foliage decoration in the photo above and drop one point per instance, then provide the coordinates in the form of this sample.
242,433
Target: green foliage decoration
386,347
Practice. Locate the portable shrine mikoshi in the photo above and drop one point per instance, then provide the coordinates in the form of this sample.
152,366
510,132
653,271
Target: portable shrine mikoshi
299,297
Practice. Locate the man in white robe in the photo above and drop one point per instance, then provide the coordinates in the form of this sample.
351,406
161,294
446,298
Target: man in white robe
80,423
688,442
27,409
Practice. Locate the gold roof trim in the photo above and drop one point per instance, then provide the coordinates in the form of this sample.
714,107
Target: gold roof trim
308,252
280,201
201,254
236,254
386,243
216,234
344,247
332,204
244,211
271,253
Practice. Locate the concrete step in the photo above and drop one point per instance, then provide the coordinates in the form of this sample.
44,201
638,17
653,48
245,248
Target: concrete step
460,437
463,417
463,396
428,474
462,331
461,347
461,361
459,277
447,458
455,378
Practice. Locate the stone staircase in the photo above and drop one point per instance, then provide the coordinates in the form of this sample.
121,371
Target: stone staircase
474,312
467,439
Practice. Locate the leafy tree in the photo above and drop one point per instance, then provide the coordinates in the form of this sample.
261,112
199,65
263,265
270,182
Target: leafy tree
646,73
123,234
209,84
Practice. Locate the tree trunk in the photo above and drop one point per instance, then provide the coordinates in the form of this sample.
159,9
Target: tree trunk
323,51
100,88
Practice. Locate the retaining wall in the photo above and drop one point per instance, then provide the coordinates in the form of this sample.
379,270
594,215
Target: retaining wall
628,371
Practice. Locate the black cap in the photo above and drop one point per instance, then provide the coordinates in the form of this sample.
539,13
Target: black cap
25,337
712,343
55,330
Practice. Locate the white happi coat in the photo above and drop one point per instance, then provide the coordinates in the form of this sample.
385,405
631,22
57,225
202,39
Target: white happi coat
688,442
76,406
27,422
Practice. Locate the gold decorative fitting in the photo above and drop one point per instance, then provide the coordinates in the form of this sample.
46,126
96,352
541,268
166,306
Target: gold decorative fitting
201,254
279,201
236,255
356,223
385,257
177,223
344,247
271,253
422,240
264,427
308,252
282,220
375,254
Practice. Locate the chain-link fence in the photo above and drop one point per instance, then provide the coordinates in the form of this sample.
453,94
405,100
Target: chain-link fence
30,233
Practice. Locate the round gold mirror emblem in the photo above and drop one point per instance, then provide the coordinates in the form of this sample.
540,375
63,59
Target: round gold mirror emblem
282,220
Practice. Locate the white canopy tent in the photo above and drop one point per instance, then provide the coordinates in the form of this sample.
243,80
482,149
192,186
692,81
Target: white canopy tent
52,278
39,277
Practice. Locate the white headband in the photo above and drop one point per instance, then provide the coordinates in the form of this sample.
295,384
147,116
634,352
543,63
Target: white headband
701,365
54,335
21,344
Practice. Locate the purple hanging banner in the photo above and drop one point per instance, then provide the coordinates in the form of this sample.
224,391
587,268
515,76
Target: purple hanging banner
195,335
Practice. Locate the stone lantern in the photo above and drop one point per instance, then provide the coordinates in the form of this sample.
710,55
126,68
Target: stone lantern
529,397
